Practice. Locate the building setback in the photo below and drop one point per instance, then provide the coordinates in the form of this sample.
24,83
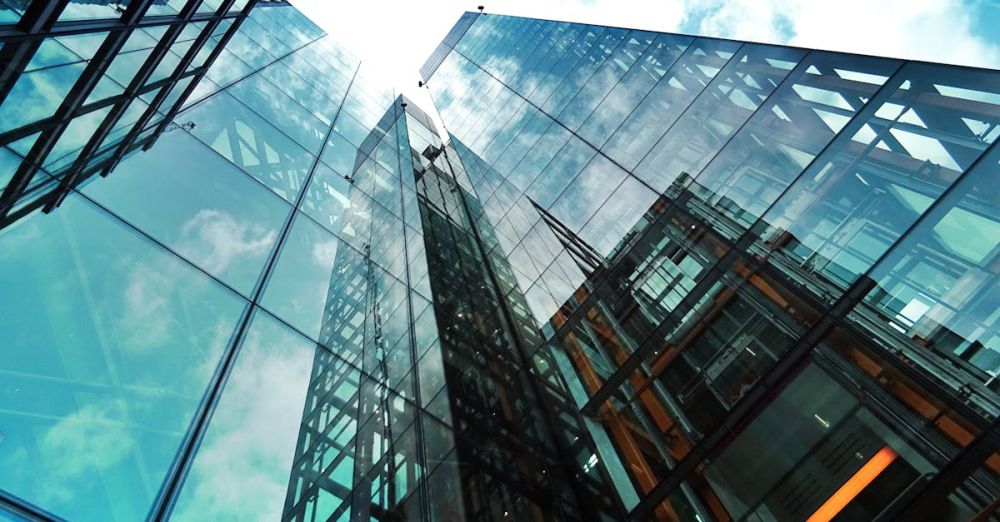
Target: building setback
642,276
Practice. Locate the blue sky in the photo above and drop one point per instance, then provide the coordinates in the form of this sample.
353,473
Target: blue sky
395,36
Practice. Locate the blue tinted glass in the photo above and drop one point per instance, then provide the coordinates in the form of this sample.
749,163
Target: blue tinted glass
783,137
633,87
718,113
108,351
318,284
90,10
587,192
560,171
265,421
937,290
880,174
37,95
184,194
685,79
245,139
281,111
320,104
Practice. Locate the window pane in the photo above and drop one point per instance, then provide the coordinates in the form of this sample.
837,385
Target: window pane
718,113
251,143
90,10
587,192
37,94
798,120
880,175
108,350
937,290
288,412
702,60
184,194
281,111
319,286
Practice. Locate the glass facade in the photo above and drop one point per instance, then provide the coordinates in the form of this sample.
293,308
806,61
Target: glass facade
763,278
643,276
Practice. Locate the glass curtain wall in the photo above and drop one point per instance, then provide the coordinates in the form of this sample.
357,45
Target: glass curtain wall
766,275
216,299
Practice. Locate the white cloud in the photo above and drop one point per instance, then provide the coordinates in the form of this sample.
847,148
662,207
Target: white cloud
214,239
94,437
930,30
241,470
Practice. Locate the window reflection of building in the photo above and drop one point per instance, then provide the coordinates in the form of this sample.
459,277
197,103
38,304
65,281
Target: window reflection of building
800,254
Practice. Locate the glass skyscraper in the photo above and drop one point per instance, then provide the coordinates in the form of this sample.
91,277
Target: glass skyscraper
642,276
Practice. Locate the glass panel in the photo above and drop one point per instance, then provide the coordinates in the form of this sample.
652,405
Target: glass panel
784,135
90,10
634,86
287,412
807,445
936,293
318,285
168,7
322,105
281,111
227,68
11,11
565,166
702,60
340,154
605,78
108,351
620,214
209,6
880,175
37,94
251,143
182,193
718,113
587,192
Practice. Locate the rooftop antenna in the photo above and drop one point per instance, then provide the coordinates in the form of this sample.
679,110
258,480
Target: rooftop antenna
480,9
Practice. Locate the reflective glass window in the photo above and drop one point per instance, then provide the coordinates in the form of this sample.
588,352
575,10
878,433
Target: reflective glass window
633,87
319,286
340,154
619,214
587,192
287,412
89,10
937,290
107,352
251,143
798,437
77,134
184,194
554,177
11,11
784,135
605,78
718,113
320,104
684,81
880,175
282,111
169,7
37,95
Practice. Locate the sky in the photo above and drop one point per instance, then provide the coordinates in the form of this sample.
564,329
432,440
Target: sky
394,37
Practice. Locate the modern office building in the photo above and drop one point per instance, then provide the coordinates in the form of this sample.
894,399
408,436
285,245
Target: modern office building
643,276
